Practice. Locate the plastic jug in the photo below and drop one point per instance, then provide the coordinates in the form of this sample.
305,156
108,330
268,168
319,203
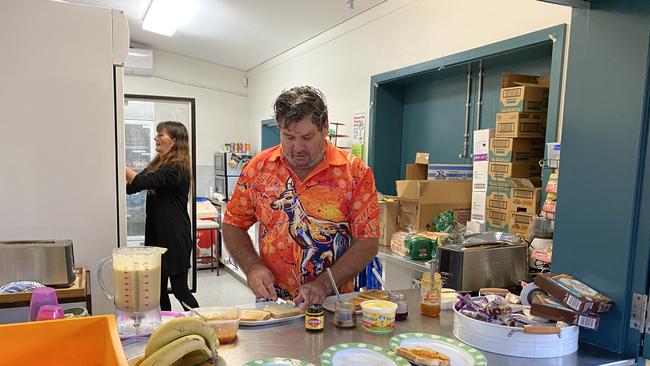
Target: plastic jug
136,273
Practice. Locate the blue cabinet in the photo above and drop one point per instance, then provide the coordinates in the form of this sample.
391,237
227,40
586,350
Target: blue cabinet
422,108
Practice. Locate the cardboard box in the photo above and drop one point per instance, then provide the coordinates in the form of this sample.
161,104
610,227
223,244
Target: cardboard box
422,158
519,223
416,171
504,171
450,172
523,93
421,201
515,150
517,124
482,144
479,209
388,214
480,176
498,197
524,196
573,293
547,307
497,221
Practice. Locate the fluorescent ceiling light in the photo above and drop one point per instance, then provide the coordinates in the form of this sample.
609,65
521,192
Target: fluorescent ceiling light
165,16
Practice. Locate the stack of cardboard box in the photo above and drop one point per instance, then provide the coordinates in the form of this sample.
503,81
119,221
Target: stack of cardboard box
514,176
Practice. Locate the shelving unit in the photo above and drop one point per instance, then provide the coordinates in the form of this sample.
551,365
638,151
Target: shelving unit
335,136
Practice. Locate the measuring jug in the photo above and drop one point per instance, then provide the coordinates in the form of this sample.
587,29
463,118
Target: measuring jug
136,273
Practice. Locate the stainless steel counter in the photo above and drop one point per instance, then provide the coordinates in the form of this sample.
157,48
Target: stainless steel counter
386,254
291,340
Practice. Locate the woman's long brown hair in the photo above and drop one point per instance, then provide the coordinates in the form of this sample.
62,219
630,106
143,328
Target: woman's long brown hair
180,151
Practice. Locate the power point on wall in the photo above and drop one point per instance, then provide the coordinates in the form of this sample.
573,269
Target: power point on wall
244,82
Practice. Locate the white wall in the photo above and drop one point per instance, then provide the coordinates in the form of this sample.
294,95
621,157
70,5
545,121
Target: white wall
220,98
393,35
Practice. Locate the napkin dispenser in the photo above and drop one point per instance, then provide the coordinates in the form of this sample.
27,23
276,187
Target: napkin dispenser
50,262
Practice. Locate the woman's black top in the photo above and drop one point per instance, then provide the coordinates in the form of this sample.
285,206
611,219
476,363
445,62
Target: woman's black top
167,222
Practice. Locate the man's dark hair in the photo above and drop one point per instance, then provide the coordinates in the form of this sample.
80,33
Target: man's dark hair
299,102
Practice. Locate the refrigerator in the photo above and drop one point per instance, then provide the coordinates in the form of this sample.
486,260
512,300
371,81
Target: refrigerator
227,167
62,155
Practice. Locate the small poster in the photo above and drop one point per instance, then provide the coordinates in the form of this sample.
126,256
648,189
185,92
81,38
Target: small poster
359,128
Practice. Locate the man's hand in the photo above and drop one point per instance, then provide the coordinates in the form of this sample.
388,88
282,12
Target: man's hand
260,281
313,292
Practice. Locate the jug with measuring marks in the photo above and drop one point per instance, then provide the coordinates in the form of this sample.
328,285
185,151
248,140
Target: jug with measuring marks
136,271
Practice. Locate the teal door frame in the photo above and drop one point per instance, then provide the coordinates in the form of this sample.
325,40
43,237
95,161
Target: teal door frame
383,89
270,133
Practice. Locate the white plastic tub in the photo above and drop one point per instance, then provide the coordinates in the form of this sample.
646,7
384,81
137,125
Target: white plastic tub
512,341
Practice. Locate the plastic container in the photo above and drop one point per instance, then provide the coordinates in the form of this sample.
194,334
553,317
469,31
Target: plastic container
430,287
91,340
225,321
448,297
378,316
512,341
75,312
50,312
41,296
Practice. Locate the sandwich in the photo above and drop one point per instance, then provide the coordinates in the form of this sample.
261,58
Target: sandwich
254,315
423,356
281,311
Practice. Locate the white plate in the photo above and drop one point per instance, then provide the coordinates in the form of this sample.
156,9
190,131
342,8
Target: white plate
459,353
278,361
360,354
258,323
329,303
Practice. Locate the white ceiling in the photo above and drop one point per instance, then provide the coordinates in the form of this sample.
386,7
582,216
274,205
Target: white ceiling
240,34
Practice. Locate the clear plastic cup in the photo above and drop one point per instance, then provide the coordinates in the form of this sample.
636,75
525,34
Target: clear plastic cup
50,312
41,296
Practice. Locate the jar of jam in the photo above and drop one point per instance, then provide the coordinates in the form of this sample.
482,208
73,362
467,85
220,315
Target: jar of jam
430,286
314,318
344,314
402,311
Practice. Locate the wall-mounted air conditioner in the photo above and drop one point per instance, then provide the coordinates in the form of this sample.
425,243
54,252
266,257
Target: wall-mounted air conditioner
139,62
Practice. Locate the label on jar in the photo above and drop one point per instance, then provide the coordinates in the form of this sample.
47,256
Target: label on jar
313,322
429,296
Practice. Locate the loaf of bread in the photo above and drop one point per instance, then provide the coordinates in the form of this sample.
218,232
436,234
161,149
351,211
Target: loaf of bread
254,315
281,311
374,295
423,356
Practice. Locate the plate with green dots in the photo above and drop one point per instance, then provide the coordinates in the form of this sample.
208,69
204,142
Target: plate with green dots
277,361
459,353
360,354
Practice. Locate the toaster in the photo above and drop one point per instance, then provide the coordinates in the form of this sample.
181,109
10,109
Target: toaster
50,262
483,263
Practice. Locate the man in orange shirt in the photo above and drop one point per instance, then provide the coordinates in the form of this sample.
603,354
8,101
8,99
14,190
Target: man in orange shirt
316,205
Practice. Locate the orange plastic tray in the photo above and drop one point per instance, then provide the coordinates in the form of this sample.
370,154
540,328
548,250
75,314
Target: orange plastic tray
86,341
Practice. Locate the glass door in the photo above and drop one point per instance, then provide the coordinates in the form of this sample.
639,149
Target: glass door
141,115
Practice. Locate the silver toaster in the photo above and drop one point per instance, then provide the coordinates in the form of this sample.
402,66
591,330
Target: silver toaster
50,262
489,259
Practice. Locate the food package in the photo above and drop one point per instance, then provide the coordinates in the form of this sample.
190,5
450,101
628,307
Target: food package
573,293
547,307
420,247
397,242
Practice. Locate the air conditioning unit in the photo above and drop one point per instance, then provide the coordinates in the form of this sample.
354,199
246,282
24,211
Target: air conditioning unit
139,62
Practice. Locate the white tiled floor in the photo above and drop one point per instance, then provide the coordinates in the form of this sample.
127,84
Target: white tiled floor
222,290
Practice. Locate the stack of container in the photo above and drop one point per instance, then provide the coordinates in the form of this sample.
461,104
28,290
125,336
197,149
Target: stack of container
514,172
480,172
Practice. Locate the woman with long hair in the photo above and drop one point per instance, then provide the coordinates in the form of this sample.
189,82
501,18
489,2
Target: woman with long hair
167,180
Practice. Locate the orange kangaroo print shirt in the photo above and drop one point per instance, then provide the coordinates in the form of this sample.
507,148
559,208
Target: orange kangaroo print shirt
305,225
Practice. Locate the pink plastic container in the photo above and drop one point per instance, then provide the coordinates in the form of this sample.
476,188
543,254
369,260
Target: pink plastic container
50,312
41,296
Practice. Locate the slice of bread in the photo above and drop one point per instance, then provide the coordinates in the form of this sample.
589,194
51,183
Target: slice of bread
423,356
374,295
281,311
254,315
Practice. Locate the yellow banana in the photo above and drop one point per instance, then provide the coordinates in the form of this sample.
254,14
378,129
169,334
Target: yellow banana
192,359
174,351
179,327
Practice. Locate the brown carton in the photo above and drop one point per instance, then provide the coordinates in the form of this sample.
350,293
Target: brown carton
416,171
499,172
520,222
497,220
523,93
516,124
575,294
388,214
514,150
422,200
549,308
524,196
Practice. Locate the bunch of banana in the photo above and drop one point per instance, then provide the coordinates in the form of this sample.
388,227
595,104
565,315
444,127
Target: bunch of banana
181,342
